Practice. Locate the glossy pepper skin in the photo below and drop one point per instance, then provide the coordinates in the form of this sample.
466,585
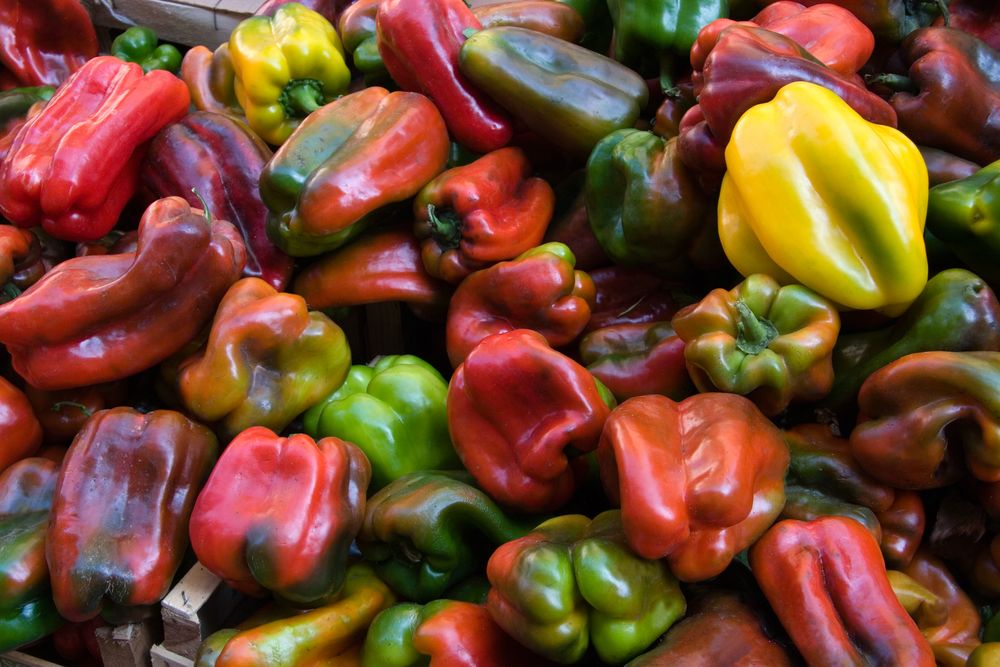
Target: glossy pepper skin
872,257
63,413
139,45
956,312
286,66
635,359
539,290
826,581
698,481
565,93
27,612
890,20
965,215
573,582
484,212
124,469
267,360
419,41
347,161
16,102
211,80
977,17
902,528
645,206
918,409
427,531
356,26
222,159
957,78
42,42
317,637
647,30
278,514
770,343
515,406
559,19
106,317
22,433
73,166
394,410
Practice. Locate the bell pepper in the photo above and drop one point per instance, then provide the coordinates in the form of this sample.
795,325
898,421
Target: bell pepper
572,582
976,17
638,359
301,502
890,20
571,226
42,42
394,143
719,629
770,343
645,207
427,531
965,215
955,312
826,582
381,266
27,612
358,30
215,160
984,574
539,290
419,41
558,19
902,528
871,257
267,360
15,103
22,433
447,632
74,165
286,67
211,80
919,409
568,95
18,248
139,44
986,654
747,66
515,406
676,102
472,216
627,295
103,318
394,410
63,413
125,469
317,637
943,167
596,21
698,481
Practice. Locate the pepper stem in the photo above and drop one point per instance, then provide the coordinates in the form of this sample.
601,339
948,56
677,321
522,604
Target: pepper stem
896,82
753,334
204,204
9,292
56,407
666,72
301,97
446,227
942,7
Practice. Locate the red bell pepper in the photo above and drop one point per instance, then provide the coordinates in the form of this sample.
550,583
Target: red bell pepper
636,359
22,434
42,42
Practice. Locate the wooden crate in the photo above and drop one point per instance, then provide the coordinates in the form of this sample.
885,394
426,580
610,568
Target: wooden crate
21,659
196,607
190,22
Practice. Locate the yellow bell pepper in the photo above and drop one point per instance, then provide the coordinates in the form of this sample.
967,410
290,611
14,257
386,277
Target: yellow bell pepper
286,67
816,195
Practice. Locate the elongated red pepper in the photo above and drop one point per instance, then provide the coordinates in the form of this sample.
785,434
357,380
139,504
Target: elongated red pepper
42,42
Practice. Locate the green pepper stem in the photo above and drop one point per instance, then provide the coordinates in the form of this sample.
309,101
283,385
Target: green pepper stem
9,292
942,7
896,82
446,227
204,204
753,333
56,407
300,98
666,72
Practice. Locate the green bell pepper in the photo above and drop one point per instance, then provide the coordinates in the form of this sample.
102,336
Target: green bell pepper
138,45
15,103
394,411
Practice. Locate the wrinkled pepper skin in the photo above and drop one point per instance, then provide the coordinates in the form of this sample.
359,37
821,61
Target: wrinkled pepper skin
22,433
558,19
346,161
566,94
124,469
956,312
872,257
538,290
826,582
42,42
917,410
73,166
419,41
645,207
957,81
139,45
106,317
222,159
698,481
636,359
394,410
472,216
965,215
286,66
651,30
718,630
380,266
514,406
279,514
428,531
770,343
267,360
902,528
211,80
573,582
27,612
316,638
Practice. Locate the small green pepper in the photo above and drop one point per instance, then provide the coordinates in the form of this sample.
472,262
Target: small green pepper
139,45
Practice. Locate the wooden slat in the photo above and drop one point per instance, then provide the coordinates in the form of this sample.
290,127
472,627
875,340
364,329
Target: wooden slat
194,609
162,657
189,22
128,645
19,659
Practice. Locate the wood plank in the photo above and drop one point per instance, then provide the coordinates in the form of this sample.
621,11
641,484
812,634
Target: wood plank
128,645
194,609
21,659
162,657
189,22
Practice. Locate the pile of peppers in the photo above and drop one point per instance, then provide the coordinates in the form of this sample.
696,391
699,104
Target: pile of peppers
698,359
